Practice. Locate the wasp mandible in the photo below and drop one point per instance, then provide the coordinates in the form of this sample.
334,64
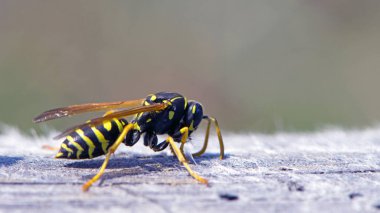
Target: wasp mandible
161,113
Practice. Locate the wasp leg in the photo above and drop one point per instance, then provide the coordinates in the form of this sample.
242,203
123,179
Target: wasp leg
161,146
200,152
218,132
172,150
111,150
182,159
150,139
185,134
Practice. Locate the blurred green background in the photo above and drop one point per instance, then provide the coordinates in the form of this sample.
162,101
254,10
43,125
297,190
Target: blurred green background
256,65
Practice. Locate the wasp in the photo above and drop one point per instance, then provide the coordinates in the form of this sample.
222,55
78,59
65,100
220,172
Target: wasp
163,113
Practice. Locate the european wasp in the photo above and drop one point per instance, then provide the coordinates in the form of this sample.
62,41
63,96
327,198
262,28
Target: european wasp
161,113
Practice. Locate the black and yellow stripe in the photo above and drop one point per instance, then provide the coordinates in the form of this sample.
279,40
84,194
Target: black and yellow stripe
90,142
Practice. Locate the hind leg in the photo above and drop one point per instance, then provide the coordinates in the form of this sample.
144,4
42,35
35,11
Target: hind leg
111,150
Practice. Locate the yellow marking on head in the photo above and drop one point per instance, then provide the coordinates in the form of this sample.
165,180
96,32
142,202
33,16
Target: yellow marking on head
149,120
193,109
171,115
101,139
76,145
191,127
153,98
59,154
89,142
118,123
107,125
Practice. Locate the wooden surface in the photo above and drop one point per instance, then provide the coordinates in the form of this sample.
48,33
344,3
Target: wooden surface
329,171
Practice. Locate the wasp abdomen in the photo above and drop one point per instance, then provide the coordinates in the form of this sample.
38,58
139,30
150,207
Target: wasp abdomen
91,142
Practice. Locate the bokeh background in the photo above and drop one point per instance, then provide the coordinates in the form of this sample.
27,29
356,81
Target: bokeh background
256,65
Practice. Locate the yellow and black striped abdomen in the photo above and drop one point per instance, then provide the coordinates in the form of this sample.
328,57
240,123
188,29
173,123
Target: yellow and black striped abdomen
90,142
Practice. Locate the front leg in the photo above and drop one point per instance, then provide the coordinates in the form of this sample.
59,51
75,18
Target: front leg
183,133
217,128
150,139
182,159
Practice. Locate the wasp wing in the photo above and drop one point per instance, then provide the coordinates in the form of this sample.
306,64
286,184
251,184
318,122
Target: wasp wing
82,108
117,114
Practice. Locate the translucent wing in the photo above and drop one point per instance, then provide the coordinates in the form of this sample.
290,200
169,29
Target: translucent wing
82,108
118,114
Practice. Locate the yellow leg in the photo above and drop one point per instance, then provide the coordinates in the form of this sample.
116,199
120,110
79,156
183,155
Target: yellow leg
185,134
111,150
205,143
182,159
218,132
221,144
